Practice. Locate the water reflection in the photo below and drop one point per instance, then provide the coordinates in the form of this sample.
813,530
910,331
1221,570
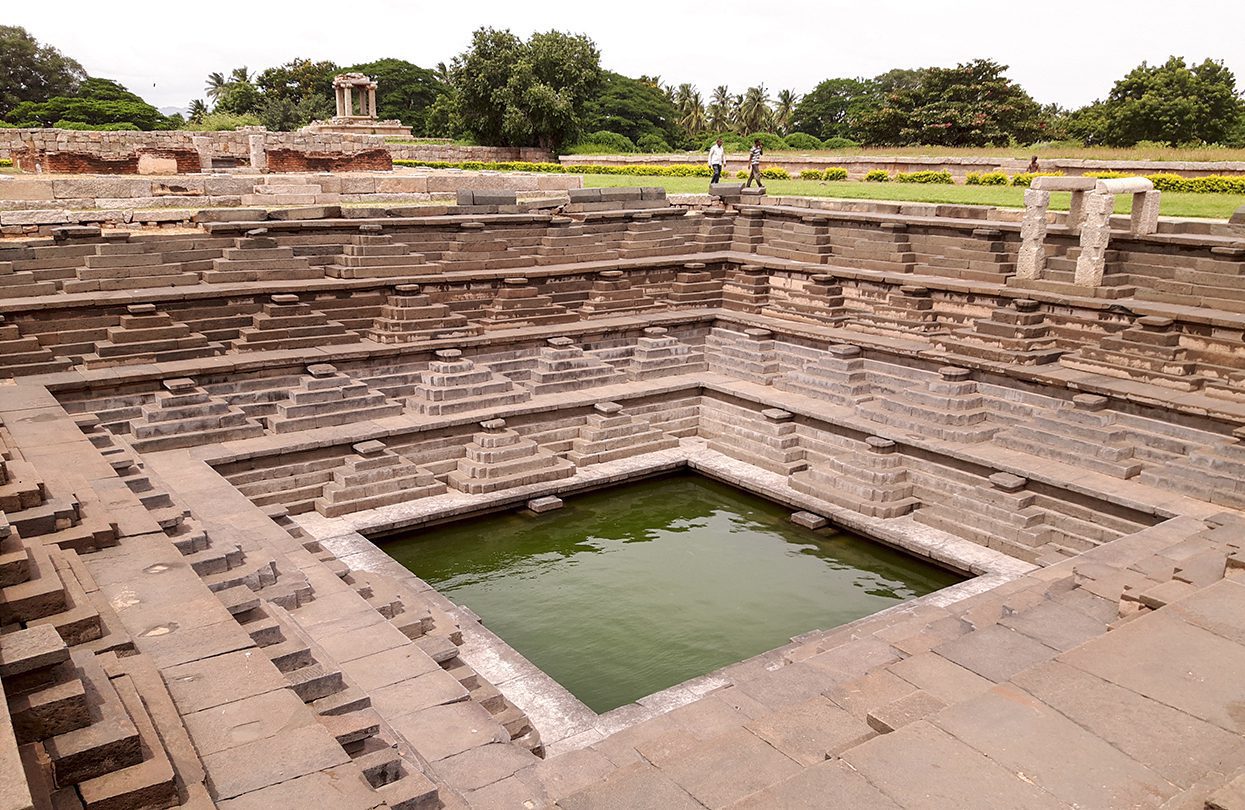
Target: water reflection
633,589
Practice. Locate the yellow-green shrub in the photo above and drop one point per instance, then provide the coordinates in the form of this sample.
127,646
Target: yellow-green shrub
878,176
925,177
1025,178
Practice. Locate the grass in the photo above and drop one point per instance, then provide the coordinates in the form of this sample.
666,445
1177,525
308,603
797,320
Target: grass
1211,206
1052,150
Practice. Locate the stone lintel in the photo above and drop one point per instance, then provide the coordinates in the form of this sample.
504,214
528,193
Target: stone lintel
321,370
493,424
955,374
178,385
1008,482
808,520
777,415
545,504
1089,402
369,448
879,444
607,407
141,309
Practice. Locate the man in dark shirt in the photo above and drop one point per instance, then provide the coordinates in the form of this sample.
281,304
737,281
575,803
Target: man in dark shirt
754,161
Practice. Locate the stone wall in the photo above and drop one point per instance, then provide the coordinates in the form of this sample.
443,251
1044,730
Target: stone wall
859,165
89,152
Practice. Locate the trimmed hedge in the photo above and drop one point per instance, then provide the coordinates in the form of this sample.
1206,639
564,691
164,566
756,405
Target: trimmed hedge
802,140
769,141
926,177
767,174
878,176
1210,184
610,140
6,163
986,179
833,173
839,143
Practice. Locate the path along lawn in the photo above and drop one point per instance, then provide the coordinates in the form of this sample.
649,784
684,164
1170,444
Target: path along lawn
1214,206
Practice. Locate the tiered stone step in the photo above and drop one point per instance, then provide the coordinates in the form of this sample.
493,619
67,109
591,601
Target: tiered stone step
327,397
287,324
26,355
148,336
122,265
274,192
746,289
499,458
694,286
567,241
610,434
453,384
409,315
949,408
748,355
818,300
612,295
1215,474
983,257
518,304
1084,433
563,366
659,354
872,481
375,255
184,415
839,377
768,439
806,239
647,236
1149,351
906,310
864,245
258,257
1016,333
476,247
16,283
375,476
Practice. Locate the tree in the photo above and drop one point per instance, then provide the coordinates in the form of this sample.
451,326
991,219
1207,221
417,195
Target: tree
972,104
755,114
405,91
216,84
719,110
784,111
32,72
1171,103
833,106
238,98
297,79
99,103
514,93
694,120
197,110
631,107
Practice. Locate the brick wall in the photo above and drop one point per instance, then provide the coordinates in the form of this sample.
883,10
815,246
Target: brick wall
293,160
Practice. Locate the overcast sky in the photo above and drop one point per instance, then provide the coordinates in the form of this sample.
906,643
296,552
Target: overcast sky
1064,52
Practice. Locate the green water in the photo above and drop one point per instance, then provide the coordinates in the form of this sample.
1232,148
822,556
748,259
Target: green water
633,589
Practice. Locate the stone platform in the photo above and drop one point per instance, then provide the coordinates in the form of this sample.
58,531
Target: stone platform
206,436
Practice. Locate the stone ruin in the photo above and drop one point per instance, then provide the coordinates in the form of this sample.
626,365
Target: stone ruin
203,431
355,98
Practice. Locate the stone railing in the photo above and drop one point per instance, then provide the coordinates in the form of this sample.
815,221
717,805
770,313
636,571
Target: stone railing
859,165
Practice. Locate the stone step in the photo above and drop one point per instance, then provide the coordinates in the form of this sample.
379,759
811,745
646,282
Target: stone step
148,783
111,742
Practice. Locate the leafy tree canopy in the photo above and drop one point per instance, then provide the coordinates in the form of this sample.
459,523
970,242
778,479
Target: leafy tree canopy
404,91
32,72
98,102
830,110
298,79
972,104
1171,103
508,92
631,107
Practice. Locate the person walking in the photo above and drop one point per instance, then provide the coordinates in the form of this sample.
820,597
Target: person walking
754,161
717,159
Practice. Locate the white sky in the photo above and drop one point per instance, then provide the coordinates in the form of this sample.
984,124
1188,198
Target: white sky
1061,51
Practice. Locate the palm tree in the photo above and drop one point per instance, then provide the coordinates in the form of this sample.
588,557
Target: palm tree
784,110
216,84
197,110
693,118
719,112
754,111
240,75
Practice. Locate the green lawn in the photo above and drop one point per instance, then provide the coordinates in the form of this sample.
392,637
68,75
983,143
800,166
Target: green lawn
1214,206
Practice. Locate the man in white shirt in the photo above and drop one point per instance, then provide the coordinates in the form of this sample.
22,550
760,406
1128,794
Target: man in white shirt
717,159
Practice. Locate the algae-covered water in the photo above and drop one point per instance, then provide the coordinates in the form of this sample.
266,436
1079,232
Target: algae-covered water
633,589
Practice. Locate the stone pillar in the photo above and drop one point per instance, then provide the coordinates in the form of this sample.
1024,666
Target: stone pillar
337,100
371,102
1095,236
1032,256
1076,211
348,98
1145,217
259,154
203,145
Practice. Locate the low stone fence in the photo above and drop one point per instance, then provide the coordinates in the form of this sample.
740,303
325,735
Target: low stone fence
859,165
67,151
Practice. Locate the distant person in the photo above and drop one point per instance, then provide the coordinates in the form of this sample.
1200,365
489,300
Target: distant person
717,159
754,161
1033,165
